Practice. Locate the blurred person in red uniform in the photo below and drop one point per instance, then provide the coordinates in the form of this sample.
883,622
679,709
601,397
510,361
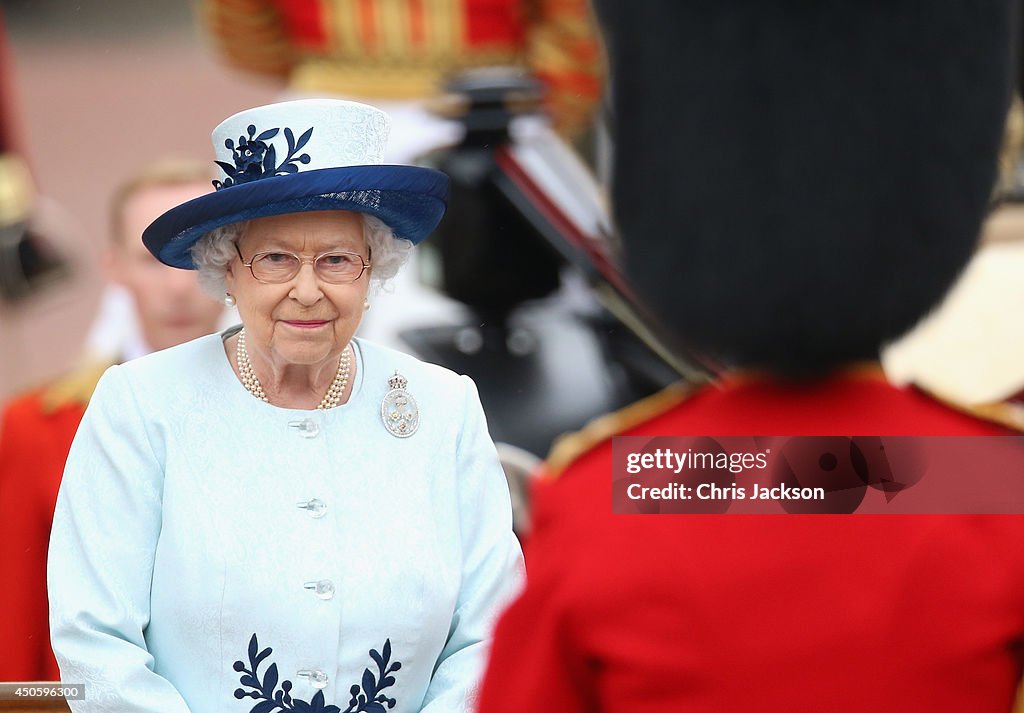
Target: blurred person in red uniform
37,427
802,187
396,54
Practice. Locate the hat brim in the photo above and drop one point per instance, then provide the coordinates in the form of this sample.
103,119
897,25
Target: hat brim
411,200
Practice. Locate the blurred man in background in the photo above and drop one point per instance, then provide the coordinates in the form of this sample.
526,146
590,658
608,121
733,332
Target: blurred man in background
36,428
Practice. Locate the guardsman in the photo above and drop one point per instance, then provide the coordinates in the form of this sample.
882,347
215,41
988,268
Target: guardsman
796,184
387,52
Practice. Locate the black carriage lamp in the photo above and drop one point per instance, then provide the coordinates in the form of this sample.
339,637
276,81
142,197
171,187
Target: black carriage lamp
492,257
28,263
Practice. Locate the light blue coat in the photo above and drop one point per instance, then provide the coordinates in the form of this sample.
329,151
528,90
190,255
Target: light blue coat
207,545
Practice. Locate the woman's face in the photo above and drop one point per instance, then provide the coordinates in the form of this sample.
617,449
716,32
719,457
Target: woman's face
305,320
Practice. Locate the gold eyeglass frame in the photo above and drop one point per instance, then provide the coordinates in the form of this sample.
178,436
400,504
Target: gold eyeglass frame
303,260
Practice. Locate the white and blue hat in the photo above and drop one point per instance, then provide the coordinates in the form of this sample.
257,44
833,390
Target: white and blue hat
297,156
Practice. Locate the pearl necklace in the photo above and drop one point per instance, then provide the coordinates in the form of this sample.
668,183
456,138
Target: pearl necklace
254,387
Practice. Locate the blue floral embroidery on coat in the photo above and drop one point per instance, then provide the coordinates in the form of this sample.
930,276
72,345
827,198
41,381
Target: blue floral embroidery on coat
366,698
255,159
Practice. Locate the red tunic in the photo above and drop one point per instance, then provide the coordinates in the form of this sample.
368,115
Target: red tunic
763,613
36,431
403,49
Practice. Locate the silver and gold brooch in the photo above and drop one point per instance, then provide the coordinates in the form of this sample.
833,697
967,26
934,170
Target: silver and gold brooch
398,409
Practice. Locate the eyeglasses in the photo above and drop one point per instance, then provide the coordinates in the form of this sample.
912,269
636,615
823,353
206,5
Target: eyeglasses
275,266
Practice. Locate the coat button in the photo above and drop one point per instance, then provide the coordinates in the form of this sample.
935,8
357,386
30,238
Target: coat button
324,589
307,427
316,677
316,507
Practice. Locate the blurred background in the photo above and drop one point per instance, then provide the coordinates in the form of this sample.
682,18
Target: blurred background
93,90
98,89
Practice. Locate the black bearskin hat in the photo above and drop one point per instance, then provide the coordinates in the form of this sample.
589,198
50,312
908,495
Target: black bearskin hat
799,181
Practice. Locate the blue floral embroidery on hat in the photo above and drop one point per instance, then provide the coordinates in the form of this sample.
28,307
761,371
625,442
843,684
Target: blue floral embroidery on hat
255,159
366,698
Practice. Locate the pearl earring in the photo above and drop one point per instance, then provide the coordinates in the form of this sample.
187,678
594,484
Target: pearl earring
229,299
366,304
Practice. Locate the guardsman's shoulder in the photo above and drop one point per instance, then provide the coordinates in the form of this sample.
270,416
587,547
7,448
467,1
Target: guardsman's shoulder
1008,413
74,388
571,447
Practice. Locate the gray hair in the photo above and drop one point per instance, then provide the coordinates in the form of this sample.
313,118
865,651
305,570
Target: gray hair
213,252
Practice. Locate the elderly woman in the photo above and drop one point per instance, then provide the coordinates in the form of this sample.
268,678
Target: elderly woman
284,517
